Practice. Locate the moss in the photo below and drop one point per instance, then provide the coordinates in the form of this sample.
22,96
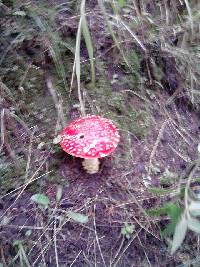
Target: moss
128,118
131,67
116,106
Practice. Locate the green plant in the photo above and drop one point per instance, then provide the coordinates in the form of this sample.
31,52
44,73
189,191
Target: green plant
173,211
127,230
21,255
189,219
41,199
181,219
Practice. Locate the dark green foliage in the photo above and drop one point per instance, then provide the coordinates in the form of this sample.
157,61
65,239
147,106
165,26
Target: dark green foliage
172,210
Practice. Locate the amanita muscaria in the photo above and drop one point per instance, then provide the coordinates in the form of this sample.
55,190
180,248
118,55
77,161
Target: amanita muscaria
91,138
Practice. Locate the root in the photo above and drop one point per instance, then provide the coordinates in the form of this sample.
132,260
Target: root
91,165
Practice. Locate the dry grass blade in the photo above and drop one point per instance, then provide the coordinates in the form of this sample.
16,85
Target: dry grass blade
115,264
75,258
25,186
55,53
112,33
153,152
5,139
28,165
130,31
18,188
190,15
6,91
88,40
2,129
52,41
117,252
19,120
97,238
3,56
78,67
55,244
57,102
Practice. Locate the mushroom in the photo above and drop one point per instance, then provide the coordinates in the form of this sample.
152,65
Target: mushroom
91,138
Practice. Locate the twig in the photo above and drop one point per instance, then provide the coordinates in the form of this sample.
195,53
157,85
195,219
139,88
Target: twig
118,251
29,155
3,257
55,244
97,238
153,152
126,247
57,102
2,129
25,185
4,140
75,258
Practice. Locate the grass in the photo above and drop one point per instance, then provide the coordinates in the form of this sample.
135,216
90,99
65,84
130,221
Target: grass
135,63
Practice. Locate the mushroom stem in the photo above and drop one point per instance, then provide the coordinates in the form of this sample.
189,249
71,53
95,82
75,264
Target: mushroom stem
91,165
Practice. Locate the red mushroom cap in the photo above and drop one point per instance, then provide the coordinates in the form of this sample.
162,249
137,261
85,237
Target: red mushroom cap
90,137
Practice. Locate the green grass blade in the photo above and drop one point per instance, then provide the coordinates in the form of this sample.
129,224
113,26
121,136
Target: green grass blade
179,234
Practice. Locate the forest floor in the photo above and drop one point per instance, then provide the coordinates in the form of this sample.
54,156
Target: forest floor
146,82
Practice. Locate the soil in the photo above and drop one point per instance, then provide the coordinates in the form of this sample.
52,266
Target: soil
166,141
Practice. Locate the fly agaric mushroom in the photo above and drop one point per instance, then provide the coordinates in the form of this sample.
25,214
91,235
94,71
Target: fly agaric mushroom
91,138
